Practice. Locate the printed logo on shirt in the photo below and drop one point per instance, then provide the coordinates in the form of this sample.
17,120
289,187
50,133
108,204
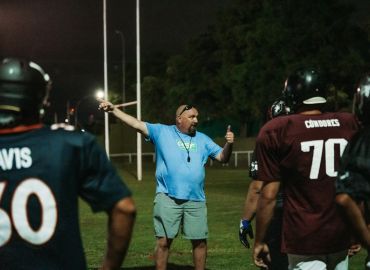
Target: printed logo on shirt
254,166
192,147
322,123
17,158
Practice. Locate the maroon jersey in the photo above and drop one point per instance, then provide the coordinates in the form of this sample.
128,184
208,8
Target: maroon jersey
303,152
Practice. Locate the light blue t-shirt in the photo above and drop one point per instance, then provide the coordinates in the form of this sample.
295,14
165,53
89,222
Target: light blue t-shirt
174,174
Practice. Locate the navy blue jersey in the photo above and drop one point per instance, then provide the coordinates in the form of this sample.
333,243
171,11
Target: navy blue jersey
43,172
354,175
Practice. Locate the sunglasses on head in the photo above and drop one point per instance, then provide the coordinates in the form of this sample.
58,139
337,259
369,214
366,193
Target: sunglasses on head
186,108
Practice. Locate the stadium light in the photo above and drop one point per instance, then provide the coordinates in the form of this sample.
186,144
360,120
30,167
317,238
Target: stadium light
122,38
99,93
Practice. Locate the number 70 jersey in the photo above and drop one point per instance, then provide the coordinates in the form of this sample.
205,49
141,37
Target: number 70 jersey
303,152
43,172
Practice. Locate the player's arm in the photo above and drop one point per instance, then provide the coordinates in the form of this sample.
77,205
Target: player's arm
250,207
129,120
120,226
355,216
265,209
251,200
225,154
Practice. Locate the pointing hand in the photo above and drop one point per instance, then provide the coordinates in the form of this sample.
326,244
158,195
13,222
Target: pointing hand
105,105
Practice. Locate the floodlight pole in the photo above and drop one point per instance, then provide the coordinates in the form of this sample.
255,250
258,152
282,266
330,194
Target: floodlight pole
122,37
138,91
106,116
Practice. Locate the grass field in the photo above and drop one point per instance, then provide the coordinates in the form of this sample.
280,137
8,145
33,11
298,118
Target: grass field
225,190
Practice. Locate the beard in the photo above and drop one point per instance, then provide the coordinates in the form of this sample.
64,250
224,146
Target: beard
192,130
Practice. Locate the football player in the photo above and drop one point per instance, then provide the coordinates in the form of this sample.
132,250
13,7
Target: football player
279,261
44,170
353,183
302,151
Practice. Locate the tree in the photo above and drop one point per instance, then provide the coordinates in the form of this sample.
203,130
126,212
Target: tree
238,67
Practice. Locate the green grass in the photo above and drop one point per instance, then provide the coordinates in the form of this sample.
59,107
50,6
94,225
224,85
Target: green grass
225,190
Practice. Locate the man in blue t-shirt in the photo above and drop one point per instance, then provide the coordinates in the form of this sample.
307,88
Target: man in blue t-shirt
181,154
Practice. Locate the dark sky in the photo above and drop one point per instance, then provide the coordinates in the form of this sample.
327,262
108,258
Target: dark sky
66,36
60,29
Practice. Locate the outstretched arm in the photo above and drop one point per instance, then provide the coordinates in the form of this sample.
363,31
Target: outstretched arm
251,200
225,154
120,227
129,120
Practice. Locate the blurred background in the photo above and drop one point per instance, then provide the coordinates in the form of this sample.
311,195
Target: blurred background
229,58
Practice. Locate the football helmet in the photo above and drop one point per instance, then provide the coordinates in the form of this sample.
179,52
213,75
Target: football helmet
278,108
361,100
304,87
23,87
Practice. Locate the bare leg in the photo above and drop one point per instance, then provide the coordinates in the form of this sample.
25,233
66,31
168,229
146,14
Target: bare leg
161,253
199,253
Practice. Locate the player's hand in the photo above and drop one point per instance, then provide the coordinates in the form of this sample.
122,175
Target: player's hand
245,230
105,105
261,255
354,249
229,135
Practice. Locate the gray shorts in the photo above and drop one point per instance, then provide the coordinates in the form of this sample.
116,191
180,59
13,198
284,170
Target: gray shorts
171,214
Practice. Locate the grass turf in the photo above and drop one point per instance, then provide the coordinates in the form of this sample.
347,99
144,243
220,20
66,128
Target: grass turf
226,188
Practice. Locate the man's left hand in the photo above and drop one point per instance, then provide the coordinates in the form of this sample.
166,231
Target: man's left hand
229,135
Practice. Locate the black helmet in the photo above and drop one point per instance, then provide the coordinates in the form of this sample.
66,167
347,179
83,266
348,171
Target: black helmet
361,101
304,87
23,86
